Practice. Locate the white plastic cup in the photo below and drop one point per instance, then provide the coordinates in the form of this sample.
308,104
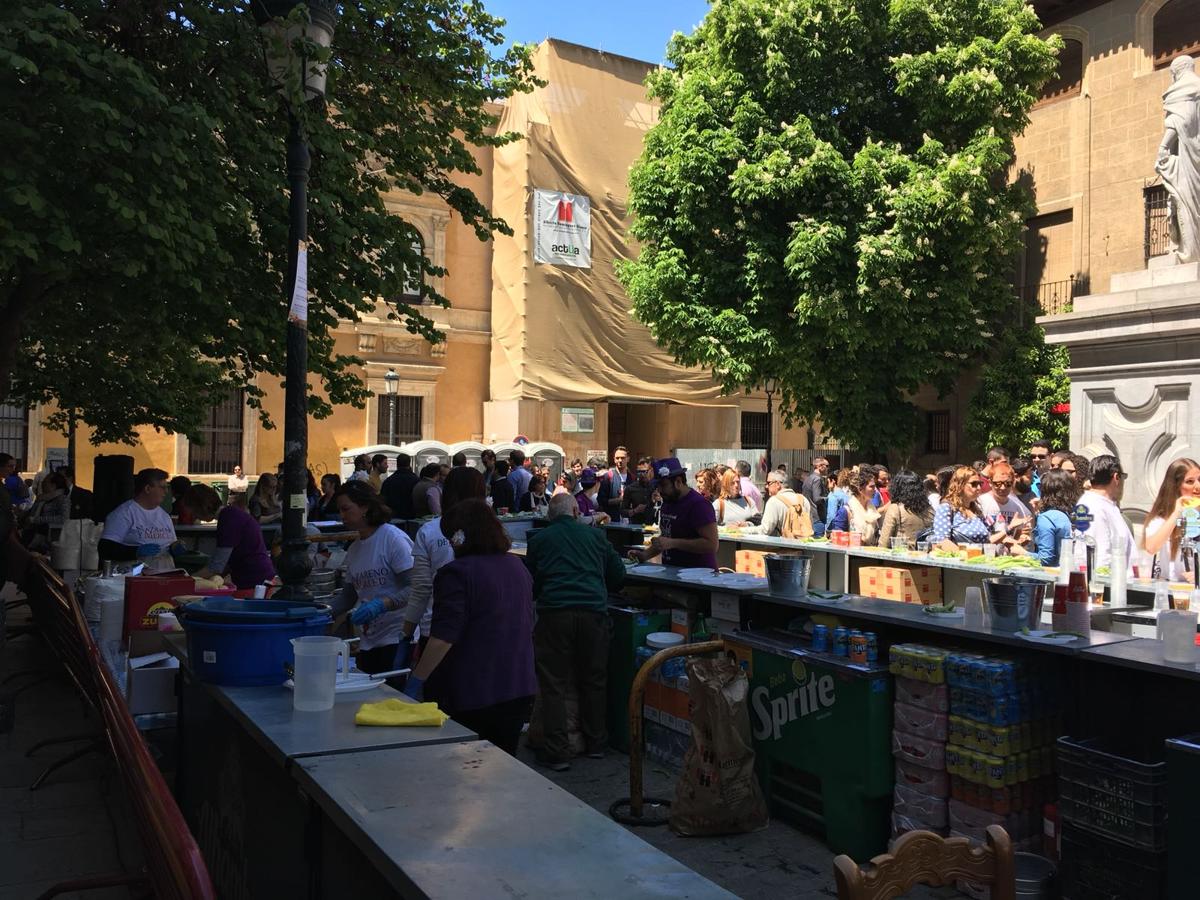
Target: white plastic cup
260,592
973,614
1178,636
316,671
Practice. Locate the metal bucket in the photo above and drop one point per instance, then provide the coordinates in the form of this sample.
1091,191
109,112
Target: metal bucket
1035,877
1014,603
787,576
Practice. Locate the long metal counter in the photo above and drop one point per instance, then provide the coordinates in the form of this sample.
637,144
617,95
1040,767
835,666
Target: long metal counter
309,804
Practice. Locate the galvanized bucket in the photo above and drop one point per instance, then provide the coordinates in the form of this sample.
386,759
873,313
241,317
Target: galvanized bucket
787,576
1014,603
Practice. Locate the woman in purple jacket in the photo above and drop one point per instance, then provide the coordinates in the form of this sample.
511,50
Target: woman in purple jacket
478,664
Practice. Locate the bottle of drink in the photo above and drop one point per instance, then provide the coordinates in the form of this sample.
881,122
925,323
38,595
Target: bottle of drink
1118,569
1162,595
701,633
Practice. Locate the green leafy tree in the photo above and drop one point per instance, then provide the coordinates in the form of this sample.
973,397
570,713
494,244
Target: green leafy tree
1023,393
824,199
143,210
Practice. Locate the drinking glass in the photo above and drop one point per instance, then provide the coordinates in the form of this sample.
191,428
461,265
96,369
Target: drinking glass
922,547
899,545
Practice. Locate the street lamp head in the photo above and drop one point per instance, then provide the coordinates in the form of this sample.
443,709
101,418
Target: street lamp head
391,382
282,57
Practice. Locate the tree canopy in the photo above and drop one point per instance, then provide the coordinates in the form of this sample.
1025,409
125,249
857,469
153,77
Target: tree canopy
143,211
1023,393
824,199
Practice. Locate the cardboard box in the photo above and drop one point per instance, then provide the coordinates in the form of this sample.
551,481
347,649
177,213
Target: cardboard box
148,595
916,584
149,675
683,621
751,562
725,607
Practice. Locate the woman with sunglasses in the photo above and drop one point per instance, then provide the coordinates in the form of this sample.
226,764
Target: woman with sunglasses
958,518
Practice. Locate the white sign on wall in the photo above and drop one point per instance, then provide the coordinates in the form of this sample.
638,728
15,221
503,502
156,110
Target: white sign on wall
562,229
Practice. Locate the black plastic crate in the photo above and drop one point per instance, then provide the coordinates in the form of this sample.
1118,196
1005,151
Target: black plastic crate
1114,791
1094,867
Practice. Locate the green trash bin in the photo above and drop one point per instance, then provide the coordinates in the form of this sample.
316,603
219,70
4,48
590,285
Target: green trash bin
629,629
822,739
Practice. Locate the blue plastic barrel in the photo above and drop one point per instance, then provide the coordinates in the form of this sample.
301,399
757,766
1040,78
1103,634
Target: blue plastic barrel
246,654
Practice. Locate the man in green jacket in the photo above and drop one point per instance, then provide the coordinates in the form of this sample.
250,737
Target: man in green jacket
574,567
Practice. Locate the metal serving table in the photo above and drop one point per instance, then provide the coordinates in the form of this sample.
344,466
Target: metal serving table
468,820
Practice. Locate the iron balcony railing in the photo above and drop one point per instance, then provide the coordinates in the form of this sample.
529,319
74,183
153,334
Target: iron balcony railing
1054,297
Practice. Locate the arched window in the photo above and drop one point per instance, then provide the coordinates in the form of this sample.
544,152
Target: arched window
1068,81
1176,31
414,279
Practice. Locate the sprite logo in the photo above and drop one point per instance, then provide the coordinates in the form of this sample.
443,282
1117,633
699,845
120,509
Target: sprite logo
809,695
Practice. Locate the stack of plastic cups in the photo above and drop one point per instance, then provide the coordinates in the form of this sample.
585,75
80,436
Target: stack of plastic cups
1118,576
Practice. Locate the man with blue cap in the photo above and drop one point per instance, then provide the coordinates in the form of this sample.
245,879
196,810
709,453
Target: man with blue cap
688,522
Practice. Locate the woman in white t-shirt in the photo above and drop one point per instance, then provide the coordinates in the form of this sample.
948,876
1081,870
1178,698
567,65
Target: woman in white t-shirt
1162,536
378,575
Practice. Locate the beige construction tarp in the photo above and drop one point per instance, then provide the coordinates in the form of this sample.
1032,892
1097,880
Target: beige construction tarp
564,333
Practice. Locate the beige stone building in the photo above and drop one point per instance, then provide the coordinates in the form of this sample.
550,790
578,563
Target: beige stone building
529,347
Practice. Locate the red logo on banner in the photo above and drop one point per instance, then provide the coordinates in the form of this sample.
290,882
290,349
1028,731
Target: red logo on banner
566,211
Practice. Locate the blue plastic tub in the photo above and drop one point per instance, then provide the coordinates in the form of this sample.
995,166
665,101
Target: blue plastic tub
246,654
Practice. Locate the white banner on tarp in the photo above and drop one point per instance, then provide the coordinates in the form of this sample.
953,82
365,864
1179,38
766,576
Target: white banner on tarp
562,229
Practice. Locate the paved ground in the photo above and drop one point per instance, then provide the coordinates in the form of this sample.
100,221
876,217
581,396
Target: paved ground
779,861
76,825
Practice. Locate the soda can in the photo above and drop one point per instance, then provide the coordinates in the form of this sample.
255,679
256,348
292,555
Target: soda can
872,647
858,647
820,641
841,641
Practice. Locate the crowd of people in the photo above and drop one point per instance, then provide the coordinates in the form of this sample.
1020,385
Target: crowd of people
457,609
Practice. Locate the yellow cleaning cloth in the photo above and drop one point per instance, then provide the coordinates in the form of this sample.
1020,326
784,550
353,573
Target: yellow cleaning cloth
397,712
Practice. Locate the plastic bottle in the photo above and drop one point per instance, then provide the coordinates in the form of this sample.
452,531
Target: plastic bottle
1118,569
1162,595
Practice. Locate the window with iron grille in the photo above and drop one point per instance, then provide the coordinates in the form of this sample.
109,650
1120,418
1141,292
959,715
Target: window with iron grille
399,419
219,447
937,435
1157,223
14,433
756,429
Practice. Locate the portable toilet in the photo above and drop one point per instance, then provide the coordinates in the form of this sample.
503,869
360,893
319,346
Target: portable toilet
472,450
347,457
545,454
425,452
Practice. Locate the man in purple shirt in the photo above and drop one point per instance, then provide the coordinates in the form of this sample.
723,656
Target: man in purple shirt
688,522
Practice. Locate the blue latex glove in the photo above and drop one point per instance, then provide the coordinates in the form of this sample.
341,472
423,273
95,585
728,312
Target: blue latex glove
403,654
177,549
415,688
149,549
368,612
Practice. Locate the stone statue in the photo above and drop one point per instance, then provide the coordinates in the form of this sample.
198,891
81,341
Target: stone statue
1178,160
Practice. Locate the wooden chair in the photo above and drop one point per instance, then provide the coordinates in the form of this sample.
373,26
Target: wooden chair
922,857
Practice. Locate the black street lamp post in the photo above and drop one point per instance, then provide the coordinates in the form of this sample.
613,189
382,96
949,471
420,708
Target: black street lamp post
322,16
770,386
391,383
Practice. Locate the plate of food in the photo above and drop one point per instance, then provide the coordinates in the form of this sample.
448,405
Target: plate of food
943,611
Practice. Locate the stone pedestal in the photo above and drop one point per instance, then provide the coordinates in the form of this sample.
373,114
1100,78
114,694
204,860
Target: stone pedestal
1135,374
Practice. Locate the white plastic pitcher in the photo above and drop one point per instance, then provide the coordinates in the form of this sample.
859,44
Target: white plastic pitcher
316,671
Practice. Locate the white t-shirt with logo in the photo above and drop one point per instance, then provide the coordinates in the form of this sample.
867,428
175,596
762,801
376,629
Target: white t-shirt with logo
381,566
132,524
991,506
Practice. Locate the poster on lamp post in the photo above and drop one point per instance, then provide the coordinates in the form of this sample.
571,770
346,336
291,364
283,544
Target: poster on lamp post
562,229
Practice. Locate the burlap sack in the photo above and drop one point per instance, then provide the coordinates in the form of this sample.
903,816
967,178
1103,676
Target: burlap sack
718,792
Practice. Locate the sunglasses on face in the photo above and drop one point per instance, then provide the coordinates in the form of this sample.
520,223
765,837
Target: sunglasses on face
1001,483
975,483
1038,455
